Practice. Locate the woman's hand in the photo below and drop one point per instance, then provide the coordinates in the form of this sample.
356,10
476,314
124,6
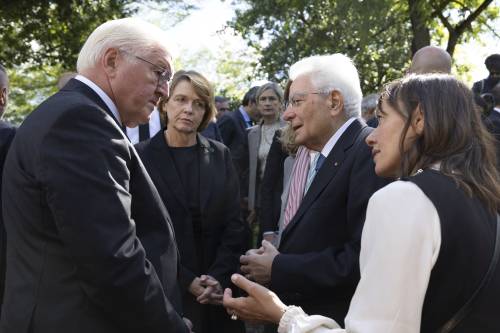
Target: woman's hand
196,288
261,304
212,293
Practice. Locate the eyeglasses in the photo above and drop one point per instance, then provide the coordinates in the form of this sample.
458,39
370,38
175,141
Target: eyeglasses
163,75
298,98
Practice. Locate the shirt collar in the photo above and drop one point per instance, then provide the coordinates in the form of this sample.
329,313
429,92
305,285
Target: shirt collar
335,137
109,103
245,115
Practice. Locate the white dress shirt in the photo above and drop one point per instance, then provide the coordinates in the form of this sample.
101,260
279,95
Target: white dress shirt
399,247
154,127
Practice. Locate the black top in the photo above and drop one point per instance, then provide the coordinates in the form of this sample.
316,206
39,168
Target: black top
188,168
467,242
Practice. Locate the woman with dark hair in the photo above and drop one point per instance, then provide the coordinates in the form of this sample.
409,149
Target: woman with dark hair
430,243
199,187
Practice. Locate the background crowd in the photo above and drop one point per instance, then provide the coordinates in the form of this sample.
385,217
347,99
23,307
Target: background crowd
132,196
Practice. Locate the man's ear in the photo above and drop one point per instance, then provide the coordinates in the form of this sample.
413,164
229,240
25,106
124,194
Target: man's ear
418,121
110,61
336,102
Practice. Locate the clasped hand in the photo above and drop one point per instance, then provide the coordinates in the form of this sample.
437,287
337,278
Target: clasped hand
256,264
207,290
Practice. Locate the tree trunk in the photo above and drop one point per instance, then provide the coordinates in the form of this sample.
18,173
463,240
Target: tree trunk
421,34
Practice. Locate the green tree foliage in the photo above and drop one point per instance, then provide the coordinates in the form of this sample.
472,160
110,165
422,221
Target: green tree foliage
377,34
51,32
42,39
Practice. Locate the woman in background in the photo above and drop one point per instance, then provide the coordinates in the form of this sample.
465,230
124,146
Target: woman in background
430,239
269,100
199,187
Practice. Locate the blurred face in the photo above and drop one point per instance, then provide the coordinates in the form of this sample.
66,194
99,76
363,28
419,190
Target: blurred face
269,104
185,109
385,141
222,107
138,83
309,114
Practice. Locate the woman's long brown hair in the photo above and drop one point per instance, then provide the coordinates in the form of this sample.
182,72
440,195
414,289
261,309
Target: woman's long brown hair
453,134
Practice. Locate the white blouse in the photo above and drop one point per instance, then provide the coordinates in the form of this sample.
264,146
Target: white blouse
399,247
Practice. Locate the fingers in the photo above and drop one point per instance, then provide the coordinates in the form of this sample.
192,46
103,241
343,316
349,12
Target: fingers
267,245
204,298
242,282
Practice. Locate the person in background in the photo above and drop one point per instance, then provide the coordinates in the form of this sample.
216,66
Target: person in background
269,99
492,121
7,132
492,63
222,106
233,128
199,186
430,59
482,89
368,106
429,260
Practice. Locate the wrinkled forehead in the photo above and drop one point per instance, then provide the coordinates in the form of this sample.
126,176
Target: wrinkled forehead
160,56
301,84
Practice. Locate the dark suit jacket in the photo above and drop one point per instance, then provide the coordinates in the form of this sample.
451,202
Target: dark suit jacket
7,132
492,122
272,186
318,266
212,132
234,135
76,199
223,233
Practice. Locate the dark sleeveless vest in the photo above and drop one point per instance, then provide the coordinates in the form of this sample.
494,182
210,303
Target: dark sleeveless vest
467,242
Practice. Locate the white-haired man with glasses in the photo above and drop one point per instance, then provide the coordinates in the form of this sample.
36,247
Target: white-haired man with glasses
90,243
316,263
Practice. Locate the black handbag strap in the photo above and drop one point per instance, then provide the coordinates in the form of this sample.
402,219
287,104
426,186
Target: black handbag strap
467,307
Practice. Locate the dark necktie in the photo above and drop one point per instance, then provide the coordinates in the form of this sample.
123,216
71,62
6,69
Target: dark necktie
143,132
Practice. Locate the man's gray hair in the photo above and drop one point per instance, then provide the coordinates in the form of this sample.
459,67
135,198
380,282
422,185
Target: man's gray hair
332,72
128,34
369,103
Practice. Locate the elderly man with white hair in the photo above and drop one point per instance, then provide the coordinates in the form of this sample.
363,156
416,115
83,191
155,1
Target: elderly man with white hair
90,244
316,263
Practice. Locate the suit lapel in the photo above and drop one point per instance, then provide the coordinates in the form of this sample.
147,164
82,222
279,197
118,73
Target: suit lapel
327,172
241,120
81,87
166,169
207,170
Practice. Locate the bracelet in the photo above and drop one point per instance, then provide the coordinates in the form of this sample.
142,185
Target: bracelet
290,313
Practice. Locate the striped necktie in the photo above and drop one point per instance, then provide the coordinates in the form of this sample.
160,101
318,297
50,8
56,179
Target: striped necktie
297,183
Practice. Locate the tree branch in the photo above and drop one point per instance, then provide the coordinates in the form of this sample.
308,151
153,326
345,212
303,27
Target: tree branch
465,24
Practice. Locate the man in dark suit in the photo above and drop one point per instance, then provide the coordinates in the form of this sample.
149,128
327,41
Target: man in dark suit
90,246
316,264
7,132
233,129
492,121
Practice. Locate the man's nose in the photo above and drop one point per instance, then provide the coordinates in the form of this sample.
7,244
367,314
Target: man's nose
162,89
288,114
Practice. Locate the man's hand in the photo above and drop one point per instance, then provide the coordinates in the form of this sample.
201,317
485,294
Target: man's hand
196,288
213,291
256,264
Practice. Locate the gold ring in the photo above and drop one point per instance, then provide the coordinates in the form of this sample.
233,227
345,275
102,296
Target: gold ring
234,316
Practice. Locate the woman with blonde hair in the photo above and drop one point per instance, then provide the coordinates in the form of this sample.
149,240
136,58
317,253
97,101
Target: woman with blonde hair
199,187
